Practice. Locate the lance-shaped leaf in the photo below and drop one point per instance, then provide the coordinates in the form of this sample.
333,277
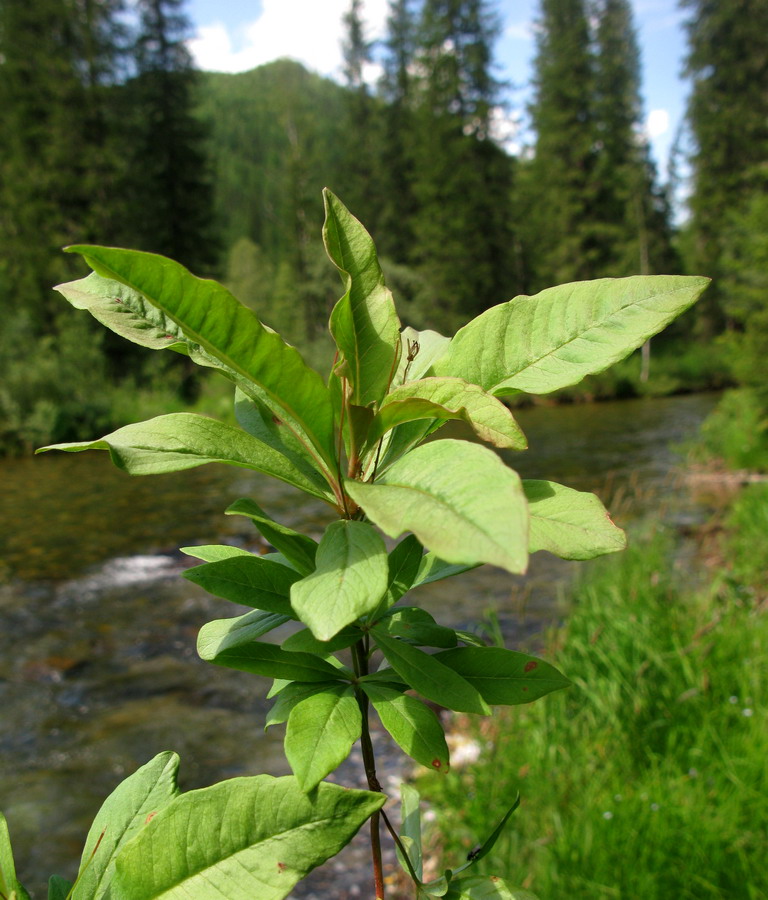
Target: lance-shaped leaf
553,339
9,884
459,499
320,733
433,568
485,887
58,889
297,548
184,440
364,322
215,552
404,563
571,524
489,843
224,634
449,398
350,579
427,675
261,658
503,677
242,839
414,726
248,580
305,642
291,695
122,816
410,827
210,316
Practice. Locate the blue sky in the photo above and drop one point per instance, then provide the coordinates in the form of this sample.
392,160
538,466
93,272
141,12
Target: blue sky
233,36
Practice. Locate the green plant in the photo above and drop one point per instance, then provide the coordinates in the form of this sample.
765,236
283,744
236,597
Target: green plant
358,442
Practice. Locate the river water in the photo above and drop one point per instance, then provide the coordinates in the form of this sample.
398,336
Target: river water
98,670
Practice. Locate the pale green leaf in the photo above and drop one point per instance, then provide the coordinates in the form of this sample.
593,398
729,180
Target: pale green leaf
553,339
350,579
290,695
571,524
297,548
241,839
410,825
225,634
503,677
179,441
449,398
419,351
320,733
427,675
123,814
210,316
459,499
413,725
364,322
215,552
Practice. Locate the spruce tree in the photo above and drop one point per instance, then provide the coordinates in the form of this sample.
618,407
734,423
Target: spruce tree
168,181
631,213
462,178
559,201
728,118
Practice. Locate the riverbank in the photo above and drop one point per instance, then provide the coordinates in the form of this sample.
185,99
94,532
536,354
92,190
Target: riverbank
647,778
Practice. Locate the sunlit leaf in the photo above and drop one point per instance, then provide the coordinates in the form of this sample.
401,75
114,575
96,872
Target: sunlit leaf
122,816
459,499
410,825
485,887
364,322
292,694
419,351
320,733
8,881
215,552
350,579
553,339
449,398
225,634
179,441
242,839
571,524
210,316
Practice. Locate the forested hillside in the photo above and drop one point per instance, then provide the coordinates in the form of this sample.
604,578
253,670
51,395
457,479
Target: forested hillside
110,136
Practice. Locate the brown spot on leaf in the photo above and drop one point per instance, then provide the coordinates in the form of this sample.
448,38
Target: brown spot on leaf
150,817
529,666
281,867
436,764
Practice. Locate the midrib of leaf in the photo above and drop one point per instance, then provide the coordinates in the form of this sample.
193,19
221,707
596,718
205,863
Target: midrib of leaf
313,448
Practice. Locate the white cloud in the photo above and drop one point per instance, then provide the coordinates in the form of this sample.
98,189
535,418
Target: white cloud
304,30
657,123
520,31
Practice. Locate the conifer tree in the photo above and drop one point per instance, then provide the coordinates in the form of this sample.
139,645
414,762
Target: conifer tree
632,225
728,118
462,178
559,204
167,181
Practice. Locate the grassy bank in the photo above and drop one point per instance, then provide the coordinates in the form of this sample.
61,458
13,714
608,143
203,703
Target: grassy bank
646,779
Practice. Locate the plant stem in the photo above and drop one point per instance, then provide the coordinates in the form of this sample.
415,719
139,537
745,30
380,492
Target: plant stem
360,660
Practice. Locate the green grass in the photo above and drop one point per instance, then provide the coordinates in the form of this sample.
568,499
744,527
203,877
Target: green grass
736,433
647,779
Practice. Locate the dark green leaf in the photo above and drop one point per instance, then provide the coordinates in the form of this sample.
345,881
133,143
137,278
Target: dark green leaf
416,626
266,659
414,727
58,888
489,842
427,675
404,563
305,642
249,580
320,733
433,568
485,887
504,677
297,548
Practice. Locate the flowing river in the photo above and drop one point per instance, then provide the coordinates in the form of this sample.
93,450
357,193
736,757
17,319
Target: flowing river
98,670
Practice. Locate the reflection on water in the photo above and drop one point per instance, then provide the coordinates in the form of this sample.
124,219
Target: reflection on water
101,673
